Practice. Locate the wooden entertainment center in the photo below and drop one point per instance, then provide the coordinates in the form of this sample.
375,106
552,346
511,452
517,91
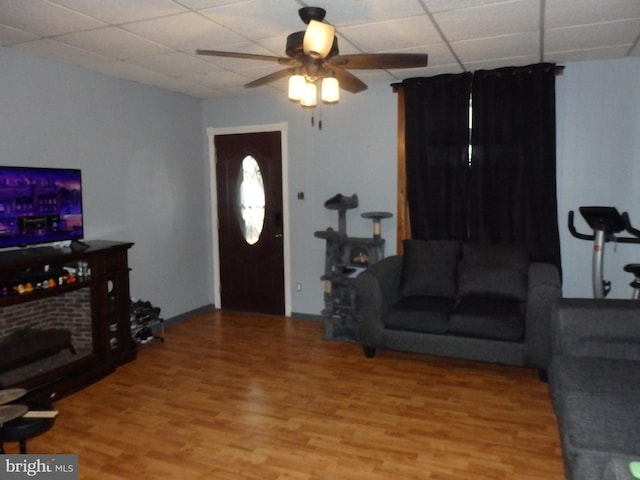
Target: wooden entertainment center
42,274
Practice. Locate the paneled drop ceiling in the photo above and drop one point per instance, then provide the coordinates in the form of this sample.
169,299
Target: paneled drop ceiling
154,41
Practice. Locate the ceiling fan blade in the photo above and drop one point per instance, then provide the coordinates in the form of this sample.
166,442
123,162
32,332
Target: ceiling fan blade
272,77
348,81
385,61
247,56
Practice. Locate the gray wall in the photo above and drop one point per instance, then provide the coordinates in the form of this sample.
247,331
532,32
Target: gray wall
598,148
140,151
598,131
355,152
144,157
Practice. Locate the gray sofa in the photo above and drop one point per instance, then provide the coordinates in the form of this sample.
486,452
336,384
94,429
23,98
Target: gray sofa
472,301
594,380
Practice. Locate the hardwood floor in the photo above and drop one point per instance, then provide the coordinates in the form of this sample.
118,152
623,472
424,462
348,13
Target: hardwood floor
231,396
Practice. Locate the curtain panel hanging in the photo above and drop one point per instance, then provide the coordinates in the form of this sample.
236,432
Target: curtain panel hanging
506,191
437,154
512,189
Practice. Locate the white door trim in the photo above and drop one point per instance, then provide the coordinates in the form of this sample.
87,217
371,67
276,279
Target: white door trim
213,199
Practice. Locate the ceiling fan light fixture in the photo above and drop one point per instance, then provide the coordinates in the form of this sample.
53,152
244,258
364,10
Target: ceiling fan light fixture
309,95
330,90
318,39
296,87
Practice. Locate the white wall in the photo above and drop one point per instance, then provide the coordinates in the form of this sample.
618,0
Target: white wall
598,112
140,151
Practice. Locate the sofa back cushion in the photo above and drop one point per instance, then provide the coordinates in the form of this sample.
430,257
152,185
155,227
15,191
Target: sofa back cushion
429,267
498,271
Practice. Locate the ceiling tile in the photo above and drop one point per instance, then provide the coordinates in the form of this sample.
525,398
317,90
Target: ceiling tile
592,36
392,35
60,52
586,55
114,42
444,5
200,4
563,13
490,20
218,80
171,83
10,35
123,11
341,13
255,20
509,46
43,18
175,64
185,31
125,70
499,63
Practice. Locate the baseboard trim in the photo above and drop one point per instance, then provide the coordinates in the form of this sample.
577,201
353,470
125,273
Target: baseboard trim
191,313
307,316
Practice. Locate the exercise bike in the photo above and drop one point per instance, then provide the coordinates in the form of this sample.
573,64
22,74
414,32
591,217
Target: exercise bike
606,222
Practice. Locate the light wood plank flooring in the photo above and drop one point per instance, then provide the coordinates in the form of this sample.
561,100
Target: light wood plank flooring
232,396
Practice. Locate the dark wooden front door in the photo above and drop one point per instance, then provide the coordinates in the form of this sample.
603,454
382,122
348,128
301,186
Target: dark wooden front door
250,226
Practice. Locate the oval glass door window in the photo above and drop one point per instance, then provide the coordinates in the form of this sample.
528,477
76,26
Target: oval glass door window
252,200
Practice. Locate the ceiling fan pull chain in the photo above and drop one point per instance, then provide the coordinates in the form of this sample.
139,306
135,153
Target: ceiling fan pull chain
320,116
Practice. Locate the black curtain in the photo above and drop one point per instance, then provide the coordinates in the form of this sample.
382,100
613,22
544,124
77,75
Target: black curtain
507,193
437,154
512,181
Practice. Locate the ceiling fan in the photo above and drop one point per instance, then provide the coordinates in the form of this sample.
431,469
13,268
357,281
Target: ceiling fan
313,58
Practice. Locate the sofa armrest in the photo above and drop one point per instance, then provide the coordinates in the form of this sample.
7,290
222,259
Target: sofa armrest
596,328
543,291
377,289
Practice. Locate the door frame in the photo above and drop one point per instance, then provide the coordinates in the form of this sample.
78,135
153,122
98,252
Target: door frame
213,201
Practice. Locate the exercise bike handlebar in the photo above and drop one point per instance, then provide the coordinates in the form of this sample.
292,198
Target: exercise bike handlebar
608,236
574,232
629,228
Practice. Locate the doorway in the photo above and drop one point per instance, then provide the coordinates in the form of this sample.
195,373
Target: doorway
250,218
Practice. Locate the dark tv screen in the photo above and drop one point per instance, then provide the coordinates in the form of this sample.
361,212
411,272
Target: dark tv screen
39,205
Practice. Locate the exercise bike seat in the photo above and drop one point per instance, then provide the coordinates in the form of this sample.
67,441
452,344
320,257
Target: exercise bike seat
633,268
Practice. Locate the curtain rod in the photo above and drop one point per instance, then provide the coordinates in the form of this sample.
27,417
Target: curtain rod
558,69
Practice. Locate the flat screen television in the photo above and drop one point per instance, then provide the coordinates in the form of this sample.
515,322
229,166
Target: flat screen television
39,205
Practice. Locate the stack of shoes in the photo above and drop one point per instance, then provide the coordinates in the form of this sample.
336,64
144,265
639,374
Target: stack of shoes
142,315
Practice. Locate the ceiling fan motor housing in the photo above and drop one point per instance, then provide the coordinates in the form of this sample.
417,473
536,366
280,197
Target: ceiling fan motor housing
312,13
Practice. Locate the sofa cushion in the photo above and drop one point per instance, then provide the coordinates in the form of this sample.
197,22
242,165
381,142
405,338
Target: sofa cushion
429,268
420,314
494,271
493,318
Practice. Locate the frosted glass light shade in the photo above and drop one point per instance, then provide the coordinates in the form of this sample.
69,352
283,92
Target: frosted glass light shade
296,87
330,90
318,39
309,95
